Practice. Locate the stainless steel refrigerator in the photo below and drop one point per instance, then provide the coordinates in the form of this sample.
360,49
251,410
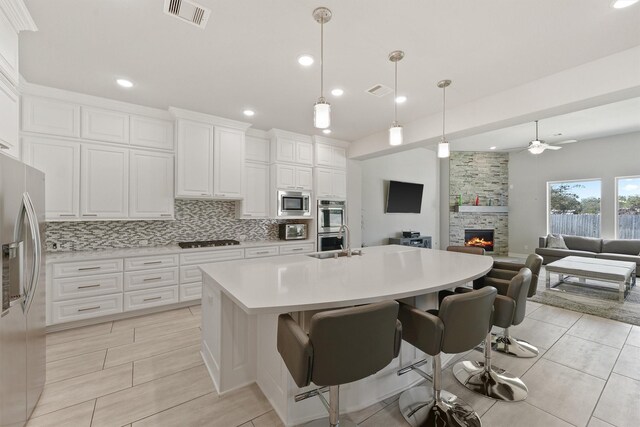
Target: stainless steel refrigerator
22,318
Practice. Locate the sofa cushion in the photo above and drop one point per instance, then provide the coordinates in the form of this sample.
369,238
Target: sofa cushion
620,257
563,252
556,241
621,246
579,243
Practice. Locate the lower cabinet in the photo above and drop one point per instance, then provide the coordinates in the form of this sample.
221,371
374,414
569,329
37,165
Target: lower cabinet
150,298
191,291
85,308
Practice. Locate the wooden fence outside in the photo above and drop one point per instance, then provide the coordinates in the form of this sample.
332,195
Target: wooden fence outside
589,225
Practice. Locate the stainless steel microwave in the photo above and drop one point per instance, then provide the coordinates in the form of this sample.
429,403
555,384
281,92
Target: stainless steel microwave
294,203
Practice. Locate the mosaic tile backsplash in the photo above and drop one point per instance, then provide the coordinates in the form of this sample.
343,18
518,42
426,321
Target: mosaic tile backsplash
195,220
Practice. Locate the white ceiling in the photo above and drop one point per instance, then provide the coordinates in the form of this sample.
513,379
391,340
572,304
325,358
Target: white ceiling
246,57
605,120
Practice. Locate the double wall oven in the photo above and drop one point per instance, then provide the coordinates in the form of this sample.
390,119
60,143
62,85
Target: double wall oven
332,214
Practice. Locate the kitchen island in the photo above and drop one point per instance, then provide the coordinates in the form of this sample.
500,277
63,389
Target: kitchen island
242,299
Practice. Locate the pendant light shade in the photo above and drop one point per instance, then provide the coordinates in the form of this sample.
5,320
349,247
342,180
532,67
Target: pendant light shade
322,109
395,131
443,146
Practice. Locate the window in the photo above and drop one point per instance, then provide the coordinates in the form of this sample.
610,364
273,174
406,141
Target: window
628,207
574,208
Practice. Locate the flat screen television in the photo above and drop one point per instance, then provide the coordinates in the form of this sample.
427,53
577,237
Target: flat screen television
404,197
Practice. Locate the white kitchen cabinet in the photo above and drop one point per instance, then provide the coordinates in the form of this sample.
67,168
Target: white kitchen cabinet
304,153
151,185
256,191
256,149
300,248
291,148
60,162
152,133
50,116
9,121
330,156
339,184
105,125
228,161
104,182
330,183
194,160
137,300
8,49
284,150
292,177
85,308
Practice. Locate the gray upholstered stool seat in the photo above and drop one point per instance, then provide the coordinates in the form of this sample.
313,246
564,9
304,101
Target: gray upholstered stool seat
342,346
474,250
459,325
482,377
499,277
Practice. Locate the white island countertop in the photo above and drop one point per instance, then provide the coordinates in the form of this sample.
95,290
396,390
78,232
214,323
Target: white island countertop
300,282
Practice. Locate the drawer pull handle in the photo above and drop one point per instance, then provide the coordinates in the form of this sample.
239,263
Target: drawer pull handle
297,249
67,215
89,286
152,299
262,252
153,262
89,214
165,214
89,268
89,308
149,279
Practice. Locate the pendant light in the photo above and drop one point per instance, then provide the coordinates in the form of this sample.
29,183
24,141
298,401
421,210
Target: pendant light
395,131
443,146
322,109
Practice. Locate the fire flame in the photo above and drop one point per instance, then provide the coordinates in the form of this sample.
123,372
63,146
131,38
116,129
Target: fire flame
479,241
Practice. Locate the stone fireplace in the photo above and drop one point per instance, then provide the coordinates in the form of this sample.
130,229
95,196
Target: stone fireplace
481,238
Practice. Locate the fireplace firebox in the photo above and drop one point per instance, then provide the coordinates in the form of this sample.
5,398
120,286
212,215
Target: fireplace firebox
482,238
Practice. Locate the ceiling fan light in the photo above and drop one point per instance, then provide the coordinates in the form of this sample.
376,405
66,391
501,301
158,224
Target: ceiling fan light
443,150
322,114
536,148
395,134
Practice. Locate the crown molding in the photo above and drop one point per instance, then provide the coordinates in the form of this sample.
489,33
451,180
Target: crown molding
180,113
18,15
288,134
330,141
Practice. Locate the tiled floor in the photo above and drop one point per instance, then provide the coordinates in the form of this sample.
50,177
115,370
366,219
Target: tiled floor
147,371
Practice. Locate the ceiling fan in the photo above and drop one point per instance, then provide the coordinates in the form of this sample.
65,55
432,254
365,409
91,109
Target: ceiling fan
537,146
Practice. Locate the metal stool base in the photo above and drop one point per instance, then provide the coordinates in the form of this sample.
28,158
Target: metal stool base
419,409
324,422
496,383
513,347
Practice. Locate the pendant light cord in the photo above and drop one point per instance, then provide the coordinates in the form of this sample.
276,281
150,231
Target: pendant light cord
395,95
537,131
444,103
322,58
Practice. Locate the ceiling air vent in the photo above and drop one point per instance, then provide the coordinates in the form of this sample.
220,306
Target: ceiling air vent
188,11
379,90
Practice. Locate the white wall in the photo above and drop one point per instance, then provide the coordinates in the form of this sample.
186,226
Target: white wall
354,202
418,165
603,158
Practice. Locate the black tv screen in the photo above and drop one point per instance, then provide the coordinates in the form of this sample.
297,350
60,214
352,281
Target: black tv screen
404,197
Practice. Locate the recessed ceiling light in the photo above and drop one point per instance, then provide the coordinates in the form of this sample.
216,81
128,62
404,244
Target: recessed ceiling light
305,60
401,99
249,113
337,92
326,131
621,4
493,148
124,83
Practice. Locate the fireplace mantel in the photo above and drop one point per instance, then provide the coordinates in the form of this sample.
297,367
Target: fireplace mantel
481,209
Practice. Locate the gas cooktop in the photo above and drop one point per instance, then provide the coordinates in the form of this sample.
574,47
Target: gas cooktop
207,243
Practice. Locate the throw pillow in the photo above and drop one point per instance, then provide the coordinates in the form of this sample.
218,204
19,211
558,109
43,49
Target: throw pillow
556,241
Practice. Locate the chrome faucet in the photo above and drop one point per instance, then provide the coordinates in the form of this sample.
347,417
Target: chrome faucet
347,238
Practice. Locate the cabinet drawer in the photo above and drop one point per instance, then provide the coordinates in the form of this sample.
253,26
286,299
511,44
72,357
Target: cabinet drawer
261,252
90,286
191,291
150,298
297,249
190,273
213,256
86,308
134,280
145,263
85,268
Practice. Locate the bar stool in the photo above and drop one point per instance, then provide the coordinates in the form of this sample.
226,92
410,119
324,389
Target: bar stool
474,250
459,325
482,377
342,346
499,277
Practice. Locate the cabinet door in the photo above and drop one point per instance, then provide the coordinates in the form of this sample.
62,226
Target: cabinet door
339,184
285,150
324,155
228,160
304,178
304,153
256,149
105,125
154,133
8,47
256,195
194,160
9,121
104,182
60,162
324,182
151,185
285,176
50,116
339,157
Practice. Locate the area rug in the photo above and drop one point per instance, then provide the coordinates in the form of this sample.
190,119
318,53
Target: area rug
585,299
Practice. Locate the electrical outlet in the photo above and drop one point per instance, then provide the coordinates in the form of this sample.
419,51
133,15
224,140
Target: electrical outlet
54,246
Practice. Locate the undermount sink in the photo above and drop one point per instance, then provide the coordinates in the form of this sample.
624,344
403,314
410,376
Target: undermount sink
329,255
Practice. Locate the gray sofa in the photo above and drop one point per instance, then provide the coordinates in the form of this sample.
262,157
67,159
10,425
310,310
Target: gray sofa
590,247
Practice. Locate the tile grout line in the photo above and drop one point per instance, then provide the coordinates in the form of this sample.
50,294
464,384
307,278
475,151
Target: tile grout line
95,403
171,407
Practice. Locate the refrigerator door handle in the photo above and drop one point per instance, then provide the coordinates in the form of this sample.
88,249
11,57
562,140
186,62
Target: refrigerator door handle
27,209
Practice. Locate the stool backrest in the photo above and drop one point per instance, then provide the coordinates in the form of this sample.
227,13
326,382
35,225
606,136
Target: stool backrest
518,290
466,318
353,343
533,263
474,250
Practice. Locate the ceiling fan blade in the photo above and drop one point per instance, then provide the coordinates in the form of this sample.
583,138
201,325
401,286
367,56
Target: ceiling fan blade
566,141
552,147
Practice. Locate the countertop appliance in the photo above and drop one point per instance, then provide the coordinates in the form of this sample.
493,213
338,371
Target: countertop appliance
332,214
207,243
22,319
293,204
292,231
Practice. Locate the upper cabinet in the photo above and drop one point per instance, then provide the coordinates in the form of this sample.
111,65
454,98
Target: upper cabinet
330,183
9,121
194,160
287,147
50,116
150,185
104,182
228,161
105,125
255,203
330,156
256,149
152,133
289,177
